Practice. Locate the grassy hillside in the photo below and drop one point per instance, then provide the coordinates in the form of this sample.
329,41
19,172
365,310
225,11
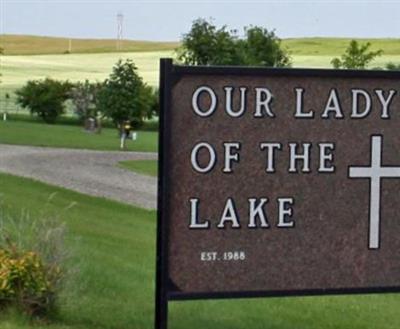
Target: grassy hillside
38,45
16,70
336,46
98,57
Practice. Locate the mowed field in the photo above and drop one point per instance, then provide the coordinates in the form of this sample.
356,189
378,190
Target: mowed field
34,57
72,136
18,65
16,70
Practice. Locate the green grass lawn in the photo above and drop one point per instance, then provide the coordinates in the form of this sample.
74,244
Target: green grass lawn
146,167
41,134
114,247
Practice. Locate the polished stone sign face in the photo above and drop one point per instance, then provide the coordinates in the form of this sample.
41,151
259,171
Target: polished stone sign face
279,182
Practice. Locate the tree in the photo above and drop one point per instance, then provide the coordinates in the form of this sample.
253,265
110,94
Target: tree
154,104
356,56
1,53
152,95
264,48
124,96
393,67
205,44
83,97
44,97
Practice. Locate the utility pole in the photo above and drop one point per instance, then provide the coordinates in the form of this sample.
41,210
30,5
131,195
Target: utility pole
120,21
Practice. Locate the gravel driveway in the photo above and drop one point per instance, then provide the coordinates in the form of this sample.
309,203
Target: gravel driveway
91,172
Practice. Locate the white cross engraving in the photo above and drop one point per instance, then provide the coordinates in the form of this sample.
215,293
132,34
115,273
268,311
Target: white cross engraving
375,173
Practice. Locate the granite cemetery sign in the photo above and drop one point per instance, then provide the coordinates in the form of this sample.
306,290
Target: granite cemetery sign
277,182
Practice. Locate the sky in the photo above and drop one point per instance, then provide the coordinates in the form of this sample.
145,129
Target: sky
169,20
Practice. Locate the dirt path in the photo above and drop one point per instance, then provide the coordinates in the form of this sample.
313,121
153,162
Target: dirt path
91,172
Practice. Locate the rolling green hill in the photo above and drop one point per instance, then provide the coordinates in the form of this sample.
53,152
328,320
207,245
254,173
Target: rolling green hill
38,45
32,57
336,46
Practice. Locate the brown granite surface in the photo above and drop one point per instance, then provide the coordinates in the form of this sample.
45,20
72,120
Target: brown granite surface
328,248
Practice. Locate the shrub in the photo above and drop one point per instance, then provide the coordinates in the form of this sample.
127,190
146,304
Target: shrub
26,281
32,258
44,97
